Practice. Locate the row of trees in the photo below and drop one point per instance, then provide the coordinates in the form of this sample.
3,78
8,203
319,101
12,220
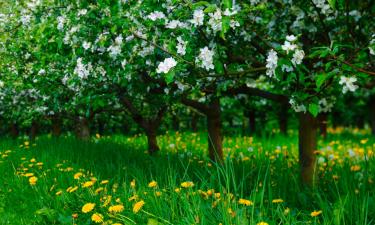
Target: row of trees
79,60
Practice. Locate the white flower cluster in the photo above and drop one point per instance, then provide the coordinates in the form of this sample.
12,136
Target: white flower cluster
156,15
206,58
289,45
326,105
215,20
198,18
166,65
60,23
82,70
181,46
348,84
271,65
173,24
297,107
115,49
323,6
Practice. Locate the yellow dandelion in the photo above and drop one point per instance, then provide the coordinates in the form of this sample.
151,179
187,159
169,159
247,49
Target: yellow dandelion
78,175
279,200
29,175
116,208
116,223
177,190
138,206
88,207
355,168
33,160
104,182
26,143
72,189
132,184
315,213
246,202
97,218
98,190
132,198
158,193
152,184
33,180
88,184
59,193
187,184
262,223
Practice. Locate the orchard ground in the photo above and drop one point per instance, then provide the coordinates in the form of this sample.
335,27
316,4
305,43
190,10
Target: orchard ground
111,180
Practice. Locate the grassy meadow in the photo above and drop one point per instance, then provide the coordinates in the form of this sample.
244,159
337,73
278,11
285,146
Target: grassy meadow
112,180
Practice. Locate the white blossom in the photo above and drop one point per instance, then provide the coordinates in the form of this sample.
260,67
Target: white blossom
114,50
166,65
291,38
60,23
298,57
86,45
271,65
198,17
205,58
81,69
348,84
82,12
42,72
287,46
215,20
156,15
181,46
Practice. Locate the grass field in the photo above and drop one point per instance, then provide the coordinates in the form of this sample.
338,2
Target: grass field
53,181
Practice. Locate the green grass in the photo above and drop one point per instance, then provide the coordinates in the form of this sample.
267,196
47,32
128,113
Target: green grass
260,170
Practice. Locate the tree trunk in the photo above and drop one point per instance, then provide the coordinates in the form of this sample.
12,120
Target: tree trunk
14,132
215,146
283,119
175,123
83,129
372,114
33,131
307,146
194,122
56,126
323,124
252,126
152,141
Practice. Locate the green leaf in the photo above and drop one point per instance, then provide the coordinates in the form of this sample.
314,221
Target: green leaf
320,79
332,3
169,77
314,109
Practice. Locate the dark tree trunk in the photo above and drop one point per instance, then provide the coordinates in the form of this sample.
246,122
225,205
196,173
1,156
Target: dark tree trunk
307,146
194,122
323,122
215,145
372,114
56,126
33,131
14,131
83,129
175,123
283,119
252,124
152,141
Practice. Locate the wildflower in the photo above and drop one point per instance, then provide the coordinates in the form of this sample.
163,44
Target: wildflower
71,189
245,202
298,56
78,175
177,190
206,58
116,208
156,15
88,207
152,184
291,38
88,184
287,46
33,160
104,182
29,174
271,63
33,180
138,206
187,184
316,213
348,84
58,193
132,183
279,200
97,218
355,168
262,223
98,190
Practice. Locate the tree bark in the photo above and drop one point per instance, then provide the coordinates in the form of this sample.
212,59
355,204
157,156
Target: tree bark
194,122
152,141
215,145
83,129
372,114
33,131
283,119
14,131
307,146
323,124
56,126
251,119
